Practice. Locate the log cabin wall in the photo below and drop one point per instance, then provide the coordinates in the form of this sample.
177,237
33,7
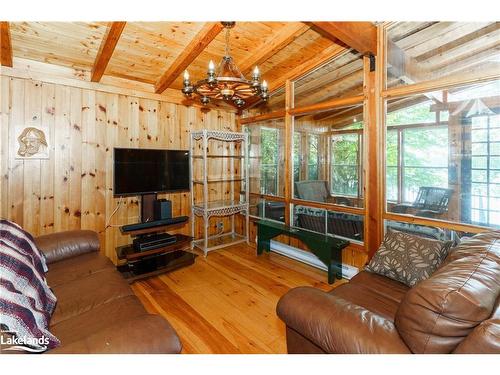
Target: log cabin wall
73,188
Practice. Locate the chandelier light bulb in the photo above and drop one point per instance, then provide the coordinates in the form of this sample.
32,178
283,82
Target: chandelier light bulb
211,67
264,85
256,73
186,75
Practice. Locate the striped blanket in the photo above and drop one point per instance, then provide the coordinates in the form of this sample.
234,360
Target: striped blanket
26,301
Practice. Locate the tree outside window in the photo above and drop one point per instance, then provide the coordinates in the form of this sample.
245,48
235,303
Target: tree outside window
313,160
345,164
269,161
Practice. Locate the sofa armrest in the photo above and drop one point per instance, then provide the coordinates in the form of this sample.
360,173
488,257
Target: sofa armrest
336,325
146,334
63,245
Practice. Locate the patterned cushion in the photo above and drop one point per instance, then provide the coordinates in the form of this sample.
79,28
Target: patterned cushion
408,258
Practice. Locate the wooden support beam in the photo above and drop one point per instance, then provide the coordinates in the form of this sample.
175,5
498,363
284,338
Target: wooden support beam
263,117
336,114
330,104
273,45
373,167
6,44
289,129
201,40
361,36
106,49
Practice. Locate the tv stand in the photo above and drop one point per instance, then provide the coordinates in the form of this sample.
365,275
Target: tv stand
135,265
153,226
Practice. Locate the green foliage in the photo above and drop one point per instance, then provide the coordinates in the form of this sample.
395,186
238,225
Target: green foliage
269,162
313,157
416,114
296,156
425,152
345,177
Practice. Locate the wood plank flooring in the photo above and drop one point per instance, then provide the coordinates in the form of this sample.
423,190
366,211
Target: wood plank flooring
226,302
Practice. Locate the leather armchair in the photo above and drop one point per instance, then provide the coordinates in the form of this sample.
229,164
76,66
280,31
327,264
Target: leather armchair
336,325
456,310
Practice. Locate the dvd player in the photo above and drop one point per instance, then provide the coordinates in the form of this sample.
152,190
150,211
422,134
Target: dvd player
154,223
154,241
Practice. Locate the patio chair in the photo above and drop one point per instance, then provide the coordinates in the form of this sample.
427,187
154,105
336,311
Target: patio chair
430,202
340,224
272,210
312,190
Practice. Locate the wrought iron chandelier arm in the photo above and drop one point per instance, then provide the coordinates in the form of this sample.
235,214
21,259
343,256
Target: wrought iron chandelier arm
227,83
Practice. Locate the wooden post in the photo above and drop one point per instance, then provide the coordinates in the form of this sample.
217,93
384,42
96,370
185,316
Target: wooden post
373,157
288,149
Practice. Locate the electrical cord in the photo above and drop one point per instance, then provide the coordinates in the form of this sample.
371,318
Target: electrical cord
108,225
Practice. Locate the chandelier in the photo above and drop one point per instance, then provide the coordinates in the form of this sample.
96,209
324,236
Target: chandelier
227,83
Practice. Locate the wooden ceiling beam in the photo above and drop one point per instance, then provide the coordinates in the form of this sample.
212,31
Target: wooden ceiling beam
273,45
106,49
201,40
338,113
361,36
6,44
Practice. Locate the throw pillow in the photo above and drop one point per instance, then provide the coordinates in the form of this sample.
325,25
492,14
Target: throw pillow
408,258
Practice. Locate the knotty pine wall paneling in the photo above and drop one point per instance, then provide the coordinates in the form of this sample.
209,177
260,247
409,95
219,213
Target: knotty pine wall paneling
73,189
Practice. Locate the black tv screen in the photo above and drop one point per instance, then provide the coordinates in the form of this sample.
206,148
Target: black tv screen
142,171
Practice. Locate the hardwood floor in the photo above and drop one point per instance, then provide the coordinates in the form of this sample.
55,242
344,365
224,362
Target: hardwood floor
225,303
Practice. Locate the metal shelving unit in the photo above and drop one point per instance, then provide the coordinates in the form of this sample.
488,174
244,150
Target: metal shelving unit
239,202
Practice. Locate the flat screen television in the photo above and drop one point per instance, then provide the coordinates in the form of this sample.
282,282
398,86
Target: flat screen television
147,171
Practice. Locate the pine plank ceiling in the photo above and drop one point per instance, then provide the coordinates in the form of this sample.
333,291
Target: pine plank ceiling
146,50
317,55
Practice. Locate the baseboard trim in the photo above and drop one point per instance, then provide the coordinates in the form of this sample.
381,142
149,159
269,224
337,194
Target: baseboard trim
308,258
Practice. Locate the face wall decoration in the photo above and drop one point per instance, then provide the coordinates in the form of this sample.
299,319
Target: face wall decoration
32,144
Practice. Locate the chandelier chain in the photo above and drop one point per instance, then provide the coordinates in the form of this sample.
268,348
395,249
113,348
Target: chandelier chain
227,40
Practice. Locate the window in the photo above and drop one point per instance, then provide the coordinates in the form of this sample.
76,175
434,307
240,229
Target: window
392,170
423,51
342,76
485,170
266,157
346,158
448,168
297,156
313,161
269,165
329,222
415,156
425,160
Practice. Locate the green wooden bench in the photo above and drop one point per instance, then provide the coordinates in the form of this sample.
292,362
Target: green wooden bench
328,249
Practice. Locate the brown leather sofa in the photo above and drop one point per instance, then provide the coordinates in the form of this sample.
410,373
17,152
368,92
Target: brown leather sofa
96,310
456,310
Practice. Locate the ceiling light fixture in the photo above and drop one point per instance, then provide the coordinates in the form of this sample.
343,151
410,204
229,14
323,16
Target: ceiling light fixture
227,83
